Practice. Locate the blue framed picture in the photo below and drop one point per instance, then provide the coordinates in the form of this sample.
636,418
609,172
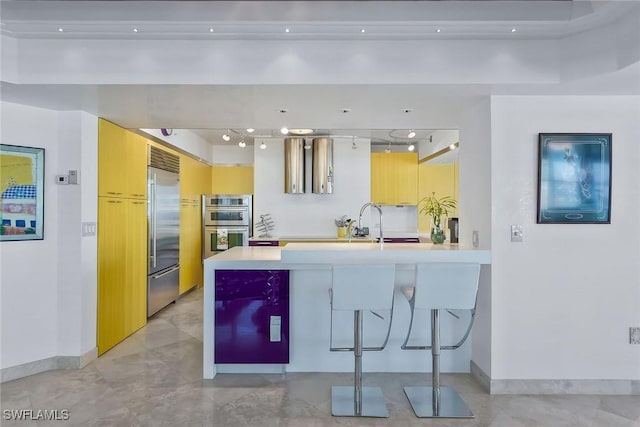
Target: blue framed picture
574,178
21,193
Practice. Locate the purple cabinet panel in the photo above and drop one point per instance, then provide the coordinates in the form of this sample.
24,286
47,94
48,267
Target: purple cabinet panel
252,316
400,240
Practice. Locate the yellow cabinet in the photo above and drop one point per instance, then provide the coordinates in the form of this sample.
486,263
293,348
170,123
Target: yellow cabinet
441,179
122,254
394,178
232,179
195,180
122,162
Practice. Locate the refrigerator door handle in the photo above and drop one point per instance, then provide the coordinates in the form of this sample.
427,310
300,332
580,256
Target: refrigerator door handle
153,220
164,273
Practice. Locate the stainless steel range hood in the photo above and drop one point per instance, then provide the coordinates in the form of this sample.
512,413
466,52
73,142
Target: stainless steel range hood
322,170
294,165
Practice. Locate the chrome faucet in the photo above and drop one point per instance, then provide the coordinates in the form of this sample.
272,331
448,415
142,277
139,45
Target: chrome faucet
373,205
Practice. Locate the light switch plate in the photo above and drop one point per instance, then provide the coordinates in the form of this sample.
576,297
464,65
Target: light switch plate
516,233
89,229
634,335
475,238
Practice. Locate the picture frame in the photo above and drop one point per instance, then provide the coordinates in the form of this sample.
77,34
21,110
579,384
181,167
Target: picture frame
574,178
21,193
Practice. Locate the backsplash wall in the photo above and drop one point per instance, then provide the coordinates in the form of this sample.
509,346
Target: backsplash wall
313,214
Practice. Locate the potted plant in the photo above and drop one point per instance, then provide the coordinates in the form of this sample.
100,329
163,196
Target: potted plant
436,208
342,223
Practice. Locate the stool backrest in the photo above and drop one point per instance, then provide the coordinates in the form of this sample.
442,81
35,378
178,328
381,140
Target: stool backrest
363,287
446,285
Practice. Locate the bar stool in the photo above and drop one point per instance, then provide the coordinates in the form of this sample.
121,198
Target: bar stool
450,286
357,288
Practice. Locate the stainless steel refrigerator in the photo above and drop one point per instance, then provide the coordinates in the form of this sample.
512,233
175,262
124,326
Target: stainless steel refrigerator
164,238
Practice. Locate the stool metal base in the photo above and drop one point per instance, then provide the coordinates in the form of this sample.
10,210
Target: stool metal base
343,405
451,404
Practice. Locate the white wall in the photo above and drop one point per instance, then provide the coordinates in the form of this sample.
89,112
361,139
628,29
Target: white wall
232,155
564,298
49,286
475,214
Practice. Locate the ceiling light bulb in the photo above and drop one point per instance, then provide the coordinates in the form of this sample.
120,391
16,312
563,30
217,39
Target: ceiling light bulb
60,29
263,145
354,146
438,30
211,30
284,131
388,149
226,137
135,30
411,134
286,30
307,145
452,147
513,30
242,144
411,147
363,30
251,130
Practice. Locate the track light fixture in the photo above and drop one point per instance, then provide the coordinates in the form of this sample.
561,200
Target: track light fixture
411,134
354,146
263,146
227,136
284,131
388,149
411,147
242,144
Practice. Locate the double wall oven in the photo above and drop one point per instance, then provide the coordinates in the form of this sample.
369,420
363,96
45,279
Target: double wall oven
227,222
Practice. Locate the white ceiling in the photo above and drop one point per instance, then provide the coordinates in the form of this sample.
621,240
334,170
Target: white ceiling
375,109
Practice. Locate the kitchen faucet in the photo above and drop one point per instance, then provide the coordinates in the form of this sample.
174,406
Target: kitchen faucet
373,205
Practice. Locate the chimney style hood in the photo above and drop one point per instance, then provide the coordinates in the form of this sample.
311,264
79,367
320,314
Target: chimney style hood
294,165
322,170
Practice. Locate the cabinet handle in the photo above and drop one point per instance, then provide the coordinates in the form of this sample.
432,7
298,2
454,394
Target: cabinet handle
138,203
113,192
114,201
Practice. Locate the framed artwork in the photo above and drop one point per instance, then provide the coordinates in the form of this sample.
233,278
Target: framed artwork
574,178
21,193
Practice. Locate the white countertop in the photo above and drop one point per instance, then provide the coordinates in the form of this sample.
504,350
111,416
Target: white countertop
340,253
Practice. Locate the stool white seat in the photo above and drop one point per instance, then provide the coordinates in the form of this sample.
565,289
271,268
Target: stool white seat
440,286
358,288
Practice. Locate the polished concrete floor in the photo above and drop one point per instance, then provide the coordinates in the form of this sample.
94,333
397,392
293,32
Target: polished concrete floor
154,378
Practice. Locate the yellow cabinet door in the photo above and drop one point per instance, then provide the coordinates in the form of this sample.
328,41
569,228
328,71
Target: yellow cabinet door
441,179
394,178
232,179
122,269
190,245
136,266
111,272
122,162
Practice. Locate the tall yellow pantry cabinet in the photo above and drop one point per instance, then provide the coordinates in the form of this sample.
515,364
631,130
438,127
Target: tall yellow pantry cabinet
122,234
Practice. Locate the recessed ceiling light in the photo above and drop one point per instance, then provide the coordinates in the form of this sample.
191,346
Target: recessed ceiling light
284,131
283,110
286,30
211,30
407,110
135,30
301,131
60,29
438,30
513,30
251,130
345,110
363,30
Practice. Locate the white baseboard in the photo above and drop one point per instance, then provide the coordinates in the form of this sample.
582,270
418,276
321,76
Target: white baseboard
48,364
557,387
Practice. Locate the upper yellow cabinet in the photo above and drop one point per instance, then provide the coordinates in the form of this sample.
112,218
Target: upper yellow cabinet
232,179
122,162
441,179
394,178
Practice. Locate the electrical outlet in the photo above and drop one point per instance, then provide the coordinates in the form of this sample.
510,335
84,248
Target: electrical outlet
634,335
475,238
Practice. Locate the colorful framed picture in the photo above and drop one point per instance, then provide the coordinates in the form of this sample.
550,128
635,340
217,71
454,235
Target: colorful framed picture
574,178
21,193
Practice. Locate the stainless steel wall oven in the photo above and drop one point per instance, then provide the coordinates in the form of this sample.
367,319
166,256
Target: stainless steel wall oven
227,222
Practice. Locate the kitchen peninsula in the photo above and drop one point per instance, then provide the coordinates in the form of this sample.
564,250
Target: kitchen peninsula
298,276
